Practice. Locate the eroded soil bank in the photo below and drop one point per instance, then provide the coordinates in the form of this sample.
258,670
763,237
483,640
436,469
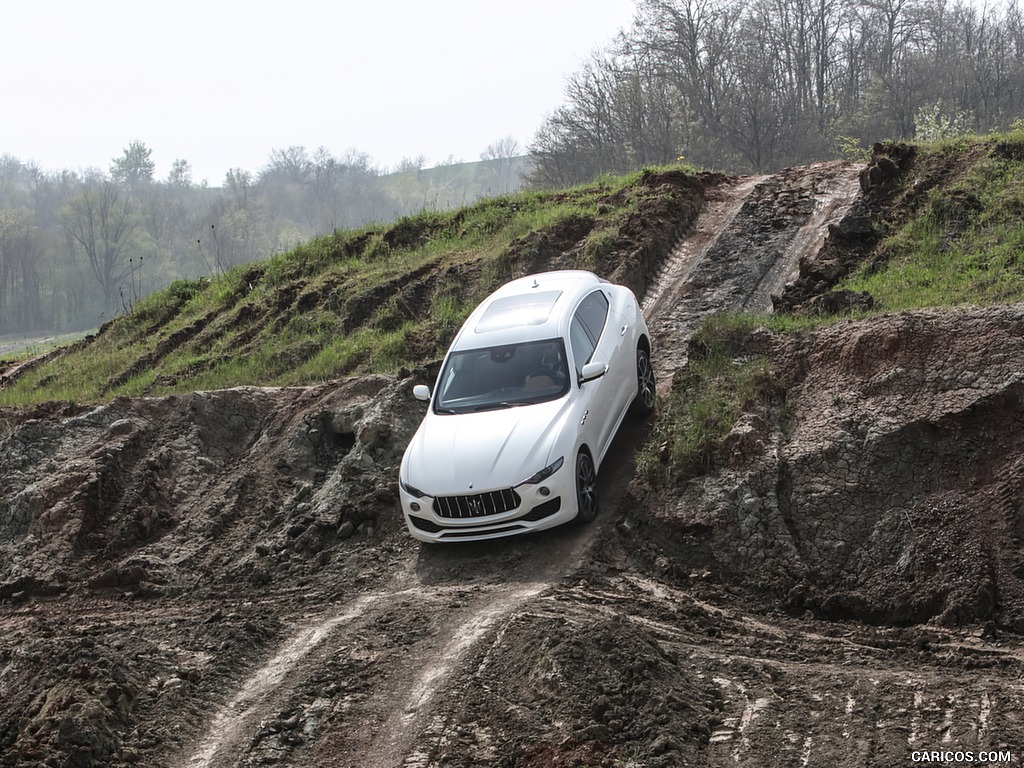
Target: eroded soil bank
880,475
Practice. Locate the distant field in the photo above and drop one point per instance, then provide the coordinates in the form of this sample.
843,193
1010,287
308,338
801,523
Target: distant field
16,346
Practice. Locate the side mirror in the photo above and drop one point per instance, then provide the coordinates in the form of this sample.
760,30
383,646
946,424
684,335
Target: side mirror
593,371
421,392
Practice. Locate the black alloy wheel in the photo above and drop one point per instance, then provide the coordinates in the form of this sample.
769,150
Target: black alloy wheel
586,488
643,403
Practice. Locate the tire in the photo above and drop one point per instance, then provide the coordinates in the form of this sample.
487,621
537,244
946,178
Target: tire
643,403
586,488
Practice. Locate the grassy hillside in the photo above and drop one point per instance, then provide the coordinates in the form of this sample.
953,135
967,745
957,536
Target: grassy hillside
944,228
376,299
954,231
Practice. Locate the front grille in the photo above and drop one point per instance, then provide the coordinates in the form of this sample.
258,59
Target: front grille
477,505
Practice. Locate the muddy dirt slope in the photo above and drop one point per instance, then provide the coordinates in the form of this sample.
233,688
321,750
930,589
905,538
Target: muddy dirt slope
881,479
223,578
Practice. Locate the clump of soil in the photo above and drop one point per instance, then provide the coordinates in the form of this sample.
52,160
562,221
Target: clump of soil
586,688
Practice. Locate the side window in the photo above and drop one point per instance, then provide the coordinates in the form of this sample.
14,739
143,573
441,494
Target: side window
582,345
586,327
593,312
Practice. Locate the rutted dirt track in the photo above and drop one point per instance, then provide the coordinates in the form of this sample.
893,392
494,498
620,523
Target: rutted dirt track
255,600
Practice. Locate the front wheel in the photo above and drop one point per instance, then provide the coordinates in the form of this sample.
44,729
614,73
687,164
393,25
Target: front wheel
643,403
586,488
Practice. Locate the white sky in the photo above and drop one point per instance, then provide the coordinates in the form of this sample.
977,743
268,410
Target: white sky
221,83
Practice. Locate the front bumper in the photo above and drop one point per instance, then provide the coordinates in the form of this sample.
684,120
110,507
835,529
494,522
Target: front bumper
535,511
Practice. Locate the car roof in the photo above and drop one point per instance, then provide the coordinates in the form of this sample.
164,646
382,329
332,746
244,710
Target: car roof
532,307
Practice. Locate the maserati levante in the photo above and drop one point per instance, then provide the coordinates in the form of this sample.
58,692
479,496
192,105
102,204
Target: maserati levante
530,395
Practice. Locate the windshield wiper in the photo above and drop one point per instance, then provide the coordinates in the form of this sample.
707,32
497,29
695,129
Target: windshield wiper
503,404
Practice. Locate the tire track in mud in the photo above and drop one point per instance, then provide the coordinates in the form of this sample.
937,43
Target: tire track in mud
452,600
395,744
745,246
409,683
841,695
723,205
227,732
457,601
833,196
721,208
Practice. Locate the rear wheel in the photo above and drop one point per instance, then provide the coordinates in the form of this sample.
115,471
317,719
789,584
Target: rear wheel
586,488
643,403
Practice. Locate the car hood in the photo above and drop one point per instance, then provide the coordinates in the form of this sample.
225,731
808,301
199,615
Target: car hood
461,453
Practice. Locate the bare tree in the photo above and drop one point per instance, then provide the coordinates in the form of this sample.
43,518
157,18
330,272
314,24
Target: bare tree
500,161
292,164
21,252
238,182
580,139
325,175
409,164
502,149
180,176
101,221
758,84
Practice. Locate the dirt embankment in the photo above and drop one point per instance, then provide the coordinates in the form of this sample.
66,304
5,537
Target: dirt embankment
210,488
141,539
879,479
223,578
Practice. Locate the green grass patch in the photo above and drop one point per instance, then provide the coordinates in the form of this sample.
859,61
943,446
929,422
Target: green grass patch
75,377
708,395
964,244
21,347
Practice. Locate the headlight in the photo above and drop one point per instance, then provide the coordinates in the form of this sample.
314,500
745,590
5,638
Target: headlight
545,473
411,490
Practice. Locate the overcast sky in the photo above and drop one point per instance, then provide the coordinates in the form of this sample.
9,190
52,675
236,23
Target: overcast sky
221,83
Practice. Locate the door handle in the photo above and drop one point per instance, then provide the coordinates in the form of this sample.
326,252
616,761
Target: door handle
623,331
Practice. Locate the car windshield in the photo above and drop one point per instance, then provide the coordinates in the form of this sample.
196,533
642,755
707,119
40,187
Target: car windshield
503,377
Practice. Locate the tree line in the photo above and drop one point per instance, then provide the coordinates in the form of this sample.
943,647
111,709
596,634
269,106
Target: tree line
757,85
80,247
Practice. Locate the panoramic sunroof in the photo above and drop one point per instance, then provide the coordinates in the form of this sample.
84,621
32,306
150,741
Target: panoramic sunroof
512,311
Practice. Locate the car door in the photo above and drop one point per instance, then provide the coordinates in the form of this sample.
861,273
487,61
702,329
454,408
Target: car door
593,340
587,409
623,320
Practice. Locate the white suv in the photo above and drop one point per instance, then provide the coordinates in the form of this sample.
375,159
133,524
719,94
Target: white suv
530,395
